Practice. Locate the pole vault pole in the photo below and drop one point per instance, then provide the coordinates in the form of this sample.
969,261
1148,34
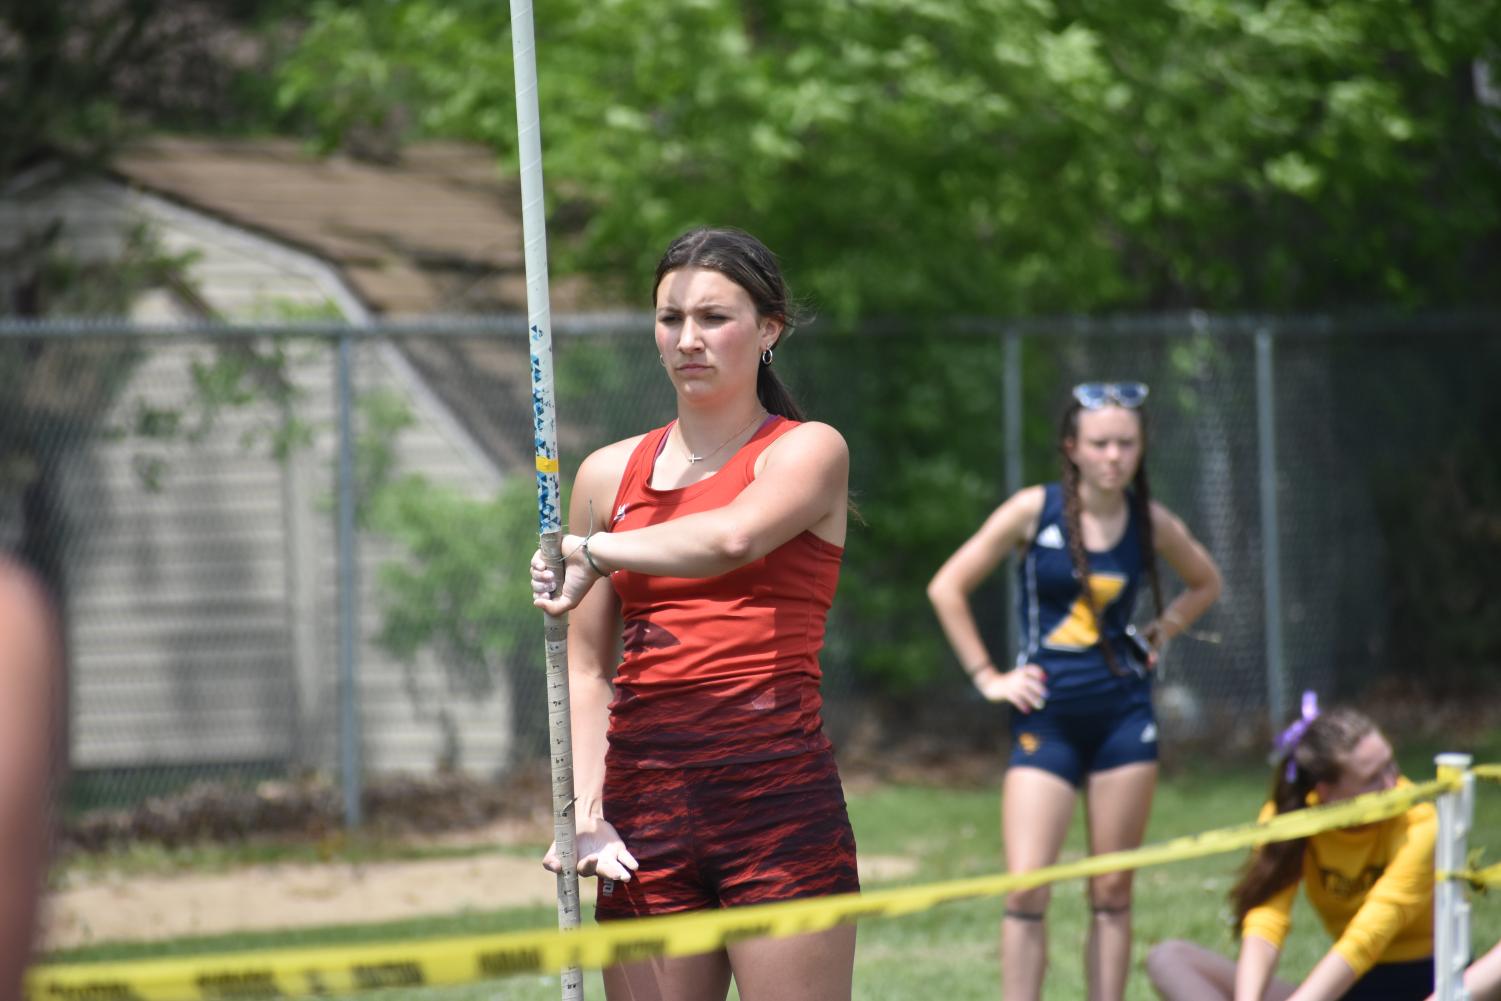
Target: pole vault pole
549,496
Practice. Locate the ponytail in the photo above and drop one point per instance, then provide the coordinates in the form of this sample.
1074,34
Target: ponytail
775,396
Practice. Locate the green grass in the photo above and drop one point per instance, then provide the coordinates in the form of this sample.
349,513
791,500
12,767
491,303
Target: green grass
950,952
148,858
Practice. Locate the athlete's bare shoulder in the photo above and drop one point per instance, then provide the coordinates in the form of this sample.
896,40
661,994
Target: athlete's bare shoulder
1030,500
813,437
599,476
609,461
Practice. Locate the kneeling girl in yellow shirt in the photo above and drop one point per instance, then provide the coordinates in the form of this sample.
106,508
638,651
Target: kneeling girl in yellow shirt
1371,885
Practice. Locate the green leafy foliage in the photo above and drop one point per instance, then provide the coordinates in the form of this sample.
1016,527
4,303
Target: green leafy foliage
935,158
233,375
459,588
923,427
1438,498
53,392
77,79
1021,156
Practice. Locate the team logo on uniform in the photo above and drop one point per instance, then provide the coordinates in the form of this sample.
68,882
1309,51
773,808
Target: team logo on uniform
1341,885
1079,630
1050,537
1029,742
1149,733
607,887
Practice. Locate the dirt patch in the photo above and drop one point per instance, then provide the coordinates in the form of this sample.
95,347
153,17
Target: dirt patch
114,908
478,820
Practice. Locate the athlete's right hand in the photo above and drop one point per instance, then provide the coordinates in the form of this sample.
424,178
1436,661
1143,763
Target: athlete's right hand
577,574
601,852
1025,687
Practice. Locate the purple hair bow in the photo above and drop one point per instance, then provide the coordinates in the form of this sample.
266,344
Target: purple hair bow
1287,742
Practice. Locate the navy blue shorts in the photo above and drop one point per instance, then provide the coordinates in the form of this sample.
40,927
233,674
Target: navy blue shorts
1075,739
1409,981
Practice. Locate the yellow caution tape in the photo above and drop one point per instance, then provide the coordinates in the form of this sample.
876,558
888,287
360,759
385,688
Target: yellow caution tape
1490,773
546,464
1479,879
344,969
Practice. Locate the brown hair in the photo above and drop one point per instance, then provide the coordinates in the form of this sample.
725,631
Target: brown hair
1141,509
1318,756
747,262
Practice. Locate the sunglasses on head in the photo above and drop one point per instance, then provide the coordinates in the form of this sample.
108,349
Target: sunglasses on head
1094,395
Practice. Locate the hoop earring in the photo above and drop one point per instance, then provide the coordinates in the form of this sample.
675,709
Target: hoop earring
661,361
766,357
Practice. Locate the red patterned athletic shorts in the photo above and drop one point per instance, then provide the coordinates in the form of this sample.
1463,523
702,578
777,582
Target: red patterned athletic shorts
728,835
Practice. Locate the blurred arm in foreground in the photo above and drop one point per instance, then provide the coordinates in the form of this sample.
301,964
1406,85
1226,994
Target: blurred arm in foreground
31,714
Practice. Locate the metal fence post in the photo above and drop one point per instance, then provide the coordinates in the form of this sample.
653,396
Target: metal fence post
350,765
1011,431
1271,543
1451,910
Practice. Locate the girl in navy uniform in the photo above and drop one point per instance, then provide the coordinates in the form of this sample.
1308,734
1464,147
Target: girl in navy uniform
1081,717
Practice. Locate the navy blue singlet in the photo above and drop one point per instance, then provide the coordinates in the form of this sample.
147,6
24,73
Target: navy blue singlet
1058,631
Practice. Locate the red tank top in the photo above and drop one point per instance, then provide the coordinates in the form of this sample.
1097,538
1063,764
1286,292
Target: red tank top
721,669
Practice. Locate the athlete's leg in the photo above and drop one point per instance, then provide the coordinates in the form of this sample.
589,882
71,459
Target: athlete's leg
1117,803
1036,806
777,831
648,809
682,978
1483,978
814,967
1183,971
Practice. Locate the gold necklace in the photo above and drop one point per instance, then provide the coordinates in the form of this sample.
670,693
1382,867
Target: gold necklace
692,458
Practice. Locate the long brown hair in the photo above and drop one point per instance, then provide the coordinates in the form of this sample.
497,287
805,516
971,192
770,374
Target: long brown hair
747,262
1141,504
1318,756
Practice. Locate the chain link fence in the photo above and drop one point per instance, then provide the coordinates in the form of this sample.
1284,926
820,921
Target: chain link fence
180,489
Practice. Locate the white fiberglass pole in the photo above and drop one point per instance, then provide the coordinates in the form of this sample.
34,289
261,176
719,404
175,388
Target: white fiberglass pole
549,495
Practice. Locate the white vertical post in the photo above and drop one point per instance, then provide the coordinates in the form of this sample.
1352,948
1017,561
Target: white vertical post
1271,540
1011,431
351,763
1451,909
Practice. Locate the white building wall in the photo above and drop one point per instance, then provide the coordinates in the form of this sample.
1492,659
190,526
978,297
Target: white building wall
202,616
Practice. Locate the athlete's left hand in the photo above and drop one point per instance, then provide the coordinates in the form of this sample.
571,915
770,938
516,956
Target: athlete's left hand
1155,633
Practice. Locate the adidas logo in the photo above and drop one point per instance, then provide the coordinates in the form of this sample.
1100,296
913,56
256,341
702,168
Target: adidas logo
1149,733
1050,537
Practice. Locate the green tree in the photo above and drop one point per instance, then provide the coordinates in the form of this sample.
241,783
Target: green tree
928,159
913,156
457,588
54,391
78,78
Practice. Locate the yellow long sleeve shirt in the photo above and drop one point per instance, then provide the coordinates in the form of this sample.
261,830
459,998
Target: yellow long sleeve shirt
1371,885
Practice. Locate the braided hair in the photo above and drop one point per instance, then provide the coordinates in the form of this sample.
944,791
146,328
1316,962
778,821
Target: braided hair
1140,495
